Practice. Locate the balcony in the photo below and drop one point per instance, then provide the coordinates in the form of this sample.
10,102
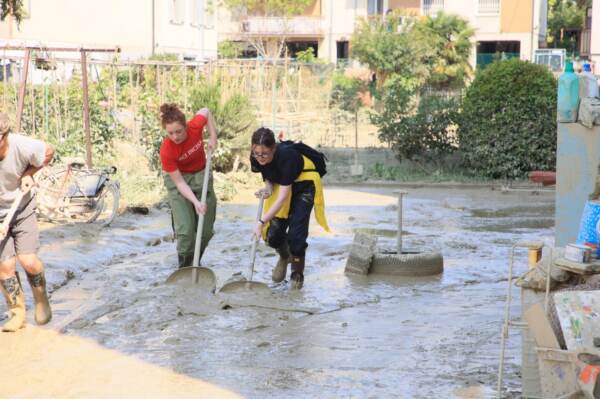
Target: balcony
431,7
277,26
488,7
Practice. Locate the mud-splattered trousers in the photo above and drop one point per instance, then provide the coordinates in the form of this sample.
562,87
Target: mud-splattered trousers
294,229
184,216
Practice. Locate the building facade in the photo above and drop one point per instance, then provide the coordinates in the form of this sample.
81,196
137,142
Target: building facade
141,28
515,28
594,34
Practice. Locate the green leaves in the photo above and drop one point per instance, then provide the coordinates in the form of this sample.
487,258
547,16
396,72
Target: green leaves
345,92
508,122
565,19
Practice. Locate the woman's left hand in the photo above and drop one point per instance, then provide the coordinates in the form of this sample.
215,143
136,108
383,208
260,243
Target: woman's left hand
258,231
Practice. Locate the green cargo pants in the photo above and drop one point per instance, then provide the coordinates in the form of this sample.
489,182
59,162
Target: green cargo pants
183,213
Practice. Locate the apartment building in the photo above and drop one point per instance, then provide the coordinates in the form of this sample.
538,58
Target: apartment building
515,28
186,28
512,27
325,25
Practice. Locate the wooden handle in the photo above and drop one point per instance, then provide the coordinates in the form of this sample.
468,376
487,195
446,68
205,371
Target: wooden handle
201,217
11,212
255,240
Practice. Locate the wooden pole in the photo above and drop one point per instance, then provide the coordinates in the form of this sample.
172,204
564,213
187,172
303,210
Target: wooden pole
86,110
22,88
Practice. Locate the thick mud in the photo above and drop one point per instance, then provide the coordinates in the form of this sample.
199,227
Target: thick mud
341,336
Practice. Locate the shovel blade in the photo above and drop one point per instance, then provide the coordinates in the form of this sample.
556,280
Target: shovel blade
205,278
244,286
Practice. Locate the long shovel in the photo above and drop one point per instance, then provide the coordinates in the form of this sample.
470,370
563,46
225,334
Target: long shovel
248,285
203,277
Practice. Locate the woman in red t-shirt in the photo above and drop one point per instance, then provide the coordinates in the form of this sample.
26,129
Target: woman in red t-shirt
183,162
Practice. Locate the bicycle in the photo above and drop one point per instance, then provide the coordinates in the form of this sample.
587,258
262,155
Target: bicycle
76,193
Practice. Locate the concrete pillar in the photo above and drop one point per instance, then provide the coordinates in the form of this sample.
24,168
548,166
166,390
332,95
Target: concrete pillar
577,160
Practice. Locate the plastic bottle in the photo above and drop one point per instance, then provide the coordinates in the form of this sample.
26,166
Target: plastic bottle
568,95
588,85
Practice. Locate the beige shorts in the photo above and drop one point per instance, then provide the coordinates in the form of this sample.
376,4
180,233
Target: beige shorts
23,236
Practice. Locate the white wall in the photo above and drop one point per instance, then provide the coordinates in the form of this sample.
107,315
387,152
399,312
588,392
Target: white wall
109,23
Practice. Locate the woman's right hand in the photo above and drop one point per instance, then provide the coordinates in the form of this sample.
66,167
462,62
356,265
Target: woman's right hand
200,208
263,193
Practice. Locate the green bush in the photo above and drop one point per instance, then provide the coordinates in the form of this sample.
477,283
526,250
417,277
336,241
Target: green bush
418,127
508,122
229,49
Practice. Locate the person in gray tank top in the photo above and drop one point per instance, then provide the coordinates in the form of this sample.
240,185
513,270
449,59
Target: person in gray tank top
20,158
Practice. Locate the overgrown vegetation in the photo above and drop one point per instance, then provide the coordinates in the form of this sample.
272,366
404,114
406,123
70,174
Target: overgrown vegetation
508,122
421,66
124,105
566,18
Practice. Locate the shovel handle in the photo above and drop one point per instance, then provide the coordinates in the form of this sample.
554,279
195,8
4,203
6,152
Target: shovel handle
255,239
201,217
11,213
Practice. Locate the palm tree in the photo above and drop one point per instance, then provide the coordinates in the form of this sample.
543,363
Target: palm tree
449,37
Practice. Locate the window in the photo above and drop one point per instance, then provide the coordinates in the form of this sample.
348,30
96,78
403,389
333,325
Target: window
177,11
490,7
197,13
431,7
375,7
489,51
203,14
342,50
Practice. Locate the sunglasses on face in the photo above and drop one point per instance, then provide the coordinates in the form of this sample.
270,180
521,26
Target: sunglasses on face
261,155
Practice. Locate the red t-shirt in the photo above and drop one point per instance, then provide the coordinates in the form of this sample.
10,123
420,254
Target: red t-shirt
187,157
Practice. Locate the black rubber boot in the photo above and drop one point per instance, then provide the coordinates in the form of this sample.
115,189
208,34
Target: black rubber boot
280,269
185,260
297,277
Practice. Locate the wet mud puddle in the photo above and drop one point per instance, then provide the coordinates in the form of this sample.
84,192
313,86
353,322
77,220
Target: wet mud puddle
341,336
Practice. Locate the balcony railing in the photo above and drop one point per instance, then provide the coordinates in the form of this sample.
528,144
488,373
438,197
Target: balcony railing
488,7
586,41
431,7
274,26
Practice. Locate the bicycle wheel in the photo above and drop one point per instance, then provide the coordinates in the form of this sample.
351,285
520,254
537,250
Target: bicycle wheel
107,205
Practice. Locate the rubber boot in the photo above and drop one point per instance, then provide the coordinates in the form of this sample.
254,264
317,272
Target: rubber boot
43,313
297,277
185,260
15,301
280,269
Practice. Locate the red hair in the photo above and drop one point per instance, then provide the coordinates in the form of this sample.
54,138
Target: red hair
170,113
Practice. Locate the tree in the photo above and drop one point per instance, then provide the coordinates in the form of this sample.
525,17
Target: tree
284,9
565,20
391,46
435,50
229,49
346,95
419,128
414,60
14,8
450,39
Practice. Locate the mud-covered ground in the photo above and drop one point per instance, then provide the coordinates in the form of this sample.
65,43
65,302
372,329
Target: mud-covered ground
340,337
